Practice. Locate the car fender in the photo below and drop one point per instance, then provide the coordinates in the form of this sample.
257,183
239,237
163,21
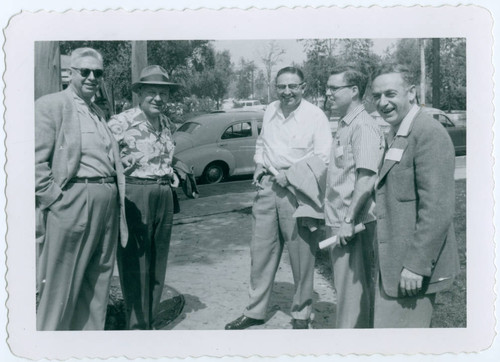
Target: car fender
199,157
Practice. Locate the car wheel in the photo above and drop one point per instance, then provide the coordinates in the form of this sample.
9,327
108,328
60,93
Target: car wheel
214,173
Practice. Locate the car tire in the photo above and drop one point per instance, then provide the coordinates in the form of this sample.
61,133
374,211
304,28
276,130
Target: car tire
214,173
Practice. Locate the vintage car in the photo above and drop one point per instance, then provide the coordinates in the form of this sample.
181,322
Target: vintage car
219,144
456,131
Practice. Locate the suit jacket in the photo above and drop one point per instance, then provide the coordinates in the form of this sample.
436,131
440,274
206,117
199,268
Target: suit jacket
58,153
415,199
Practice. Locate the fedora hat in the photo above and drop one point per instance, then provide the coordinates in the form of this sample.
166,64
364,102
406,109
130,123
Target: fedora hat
153,75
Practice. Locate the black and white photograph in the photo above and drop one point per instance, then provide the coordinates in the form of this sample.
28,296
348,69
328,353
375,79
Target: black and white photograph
219,186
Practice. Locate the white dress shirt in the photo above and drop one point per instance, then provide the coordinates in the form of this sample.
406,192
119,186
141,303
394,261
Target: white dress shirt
285,141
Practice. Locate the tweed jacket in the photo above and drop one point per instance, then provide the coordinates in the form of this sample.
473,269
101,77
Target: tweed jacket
415,205
58,153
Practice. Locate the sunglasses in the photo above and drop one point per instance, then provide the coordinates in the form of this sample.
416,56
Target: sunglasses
85,72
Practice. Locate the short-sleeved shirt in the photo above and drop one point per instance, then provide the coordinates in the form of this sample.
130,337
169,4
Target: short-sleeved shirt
359,143
286,141
152,149
97,155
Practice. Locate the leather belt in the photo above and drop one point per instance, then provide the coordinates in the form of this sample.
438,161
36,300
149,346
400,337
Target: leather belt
148,181
93,180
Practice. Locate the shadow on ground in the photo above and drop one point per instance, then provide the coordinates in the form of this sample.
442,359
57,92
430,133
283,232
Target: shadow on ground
281,300
170,307
191,304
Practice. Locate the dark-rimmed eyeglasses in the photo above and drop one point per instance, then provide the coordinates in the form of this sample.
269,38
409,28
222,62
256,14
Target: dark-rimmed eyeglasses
291,86
85,72
334,90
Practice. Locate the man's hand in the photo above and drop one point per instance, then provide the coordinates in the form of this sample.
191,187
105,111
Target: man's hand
281,179
257,175
346,232
410,283
128,162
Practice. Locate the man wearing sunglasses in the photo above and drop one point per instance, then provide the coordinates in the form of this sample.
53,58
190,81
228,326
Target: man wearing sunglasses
293,130
355,158
146,149
80,188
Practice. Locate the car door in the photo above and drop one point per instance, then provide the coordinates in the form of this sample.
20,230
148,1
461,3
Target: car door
457,134
239,139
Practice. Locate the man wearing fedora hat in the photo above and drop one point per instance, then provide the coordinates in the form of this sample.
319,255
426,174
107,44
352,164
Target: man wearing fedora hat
146,151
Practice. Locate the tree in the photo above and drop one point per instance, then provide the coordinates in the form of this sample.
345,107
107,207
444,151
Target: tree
452,68
270,56
325,54
213,81
245,79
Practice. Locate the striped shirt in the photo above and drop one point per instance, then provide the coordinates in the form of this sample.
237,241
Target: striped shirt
286,141
359,143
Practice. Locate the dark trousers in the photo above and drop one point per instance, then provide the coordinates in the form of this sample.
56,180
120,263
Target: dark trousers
142,264
77,258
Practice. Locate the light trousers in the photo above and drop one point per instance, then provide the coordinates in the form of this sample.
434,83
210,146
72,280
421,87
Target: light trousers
273,225
77,258
402,312
354,279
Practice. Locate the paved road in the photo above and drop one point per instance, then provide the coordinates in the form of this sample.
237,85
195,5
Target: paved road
243,184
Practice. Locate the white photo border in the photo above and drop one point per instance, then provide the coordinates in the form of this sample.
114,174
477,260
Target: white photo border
471,22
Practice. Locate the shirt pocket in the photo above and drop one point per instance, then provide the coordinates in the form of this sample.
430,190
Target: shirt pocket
89,139
343,156
403,181
299,142
299,146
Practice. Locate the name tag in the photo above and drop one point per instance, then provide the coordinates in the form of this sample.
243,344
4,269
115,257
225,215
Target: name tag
394,154
340,151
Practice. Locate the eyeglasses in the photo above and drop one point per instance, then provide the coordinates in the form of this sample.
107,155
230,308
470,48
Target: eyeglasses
334,90
85,72
292,86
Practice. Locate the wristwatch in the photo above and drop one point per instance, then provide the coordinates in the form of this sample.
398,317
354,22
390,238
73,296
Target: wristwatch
347,220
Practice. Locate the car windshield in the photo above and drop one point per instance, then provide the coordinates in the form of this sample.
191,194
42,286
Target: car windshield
188,127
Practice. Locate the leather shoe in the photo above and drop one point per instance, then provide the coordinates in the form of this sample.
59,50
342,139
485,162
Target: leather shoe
300,323
243,322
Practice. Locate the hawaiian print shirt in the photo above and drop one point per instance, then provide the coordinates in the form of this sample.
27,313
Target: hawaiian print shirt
145,152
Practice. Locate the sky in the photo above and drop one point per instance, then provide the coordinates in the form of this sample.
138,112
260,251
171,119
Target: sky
251,50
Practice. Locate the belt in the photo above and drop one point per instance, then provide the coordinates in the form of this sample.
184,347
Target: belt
148,181
93,180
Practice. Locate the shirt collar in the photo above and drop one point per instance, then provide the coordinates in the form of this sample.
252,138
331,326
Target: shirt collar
404,127
139,117
279,112
349,117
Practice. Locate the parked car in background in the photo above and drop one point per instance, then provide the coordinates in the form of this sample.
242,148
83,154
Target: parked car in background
456,131
250,104
219,144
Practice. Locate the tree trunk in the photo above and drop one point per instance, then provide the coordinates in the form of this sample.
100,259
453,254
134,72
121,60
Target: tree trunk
47,68
422,71
139,62
436,73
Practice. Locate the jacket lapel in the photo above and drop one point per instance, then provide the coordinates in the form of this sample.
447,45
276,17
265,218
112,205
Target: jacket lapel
400,143
72,136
